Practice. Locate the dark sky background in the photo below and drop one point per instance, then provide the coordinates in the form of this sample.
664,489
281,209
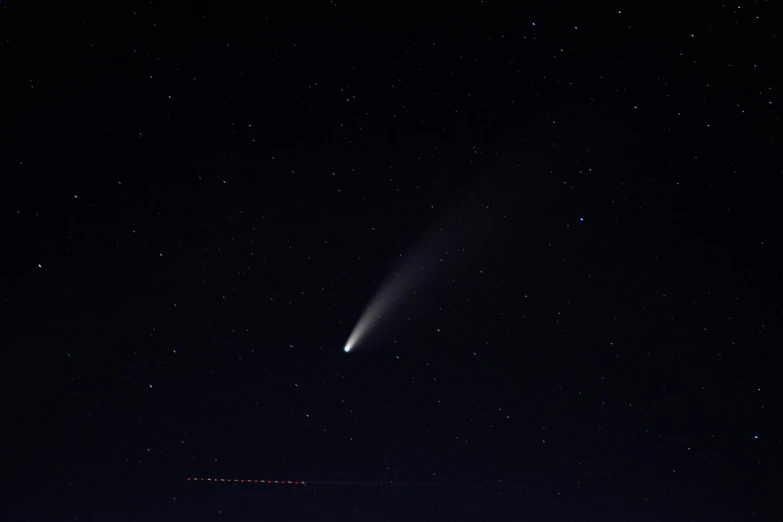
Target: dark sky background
199,201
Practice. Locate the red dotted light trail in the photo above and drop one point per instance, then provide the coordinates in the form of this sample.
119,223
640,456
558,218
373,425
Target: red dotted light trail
249,481
332,482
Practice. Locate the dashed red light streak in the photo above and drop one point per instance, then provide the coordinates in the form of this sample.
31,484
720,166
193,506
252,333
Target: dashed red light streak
253,481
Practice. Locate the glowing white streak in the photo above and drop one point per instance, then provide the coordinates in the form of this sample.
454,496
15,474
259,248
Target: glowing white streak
423,262
414,268
382,302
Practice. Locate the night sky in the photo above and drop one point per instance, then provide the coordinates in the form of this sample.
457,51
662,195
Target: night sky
562,221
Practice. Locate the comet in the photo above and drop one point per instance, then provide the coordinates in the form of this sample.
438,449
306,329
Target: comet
452,243
418,267
382,303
